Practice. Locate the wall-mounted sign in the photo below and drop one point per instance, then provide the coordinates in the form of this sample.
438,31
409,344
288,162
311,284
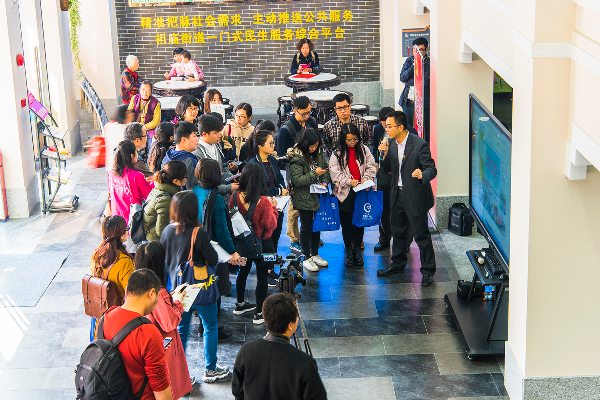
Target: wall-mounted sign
137,3
408,35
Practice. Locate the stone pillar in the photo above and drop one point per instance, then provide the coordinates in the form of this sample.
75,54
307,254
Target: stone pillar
61,77
22,187
552,349
451,82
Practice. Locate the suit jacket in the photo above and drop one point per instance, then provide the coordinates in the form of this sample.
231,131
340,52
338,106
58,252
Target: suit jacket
419,196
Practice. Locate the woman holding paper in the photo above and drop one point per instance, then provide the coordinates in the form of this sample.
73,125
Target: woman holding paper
177,239
351,164
166,316
307,60
253,189
239,128
308,167
261,147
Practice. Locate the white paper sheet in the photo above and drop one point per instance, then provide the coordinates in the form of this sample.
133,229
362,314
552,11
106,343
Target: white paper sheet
191,292
221,253
282,202
316,188
239,225
368,183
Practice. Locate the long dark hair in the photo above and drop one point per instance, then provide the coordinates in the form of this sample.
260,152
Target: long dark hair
308,138
253,183
162,142
258,138
123,155
152,255
173,170
342,147
210,94
113,227
183,104
184,210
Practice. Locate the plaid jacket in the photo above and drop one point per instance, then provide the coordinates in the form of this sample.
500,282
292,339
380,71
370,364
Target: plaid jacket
129,85
333,129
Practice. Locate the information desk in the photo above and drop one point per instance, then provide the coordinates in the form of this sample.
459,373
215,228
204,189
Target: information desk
321,103
482,324
322,81
173,88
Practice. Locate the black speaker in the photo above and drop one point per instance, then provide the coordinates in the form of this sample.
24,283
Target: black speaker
460,220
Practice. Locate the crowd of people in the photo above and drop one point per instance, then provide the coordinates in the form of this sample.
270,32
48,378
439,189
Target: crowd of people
192,174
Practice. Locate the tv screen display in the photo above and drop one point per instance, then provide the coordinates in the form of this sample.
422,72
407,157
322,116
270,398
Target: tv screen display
489,192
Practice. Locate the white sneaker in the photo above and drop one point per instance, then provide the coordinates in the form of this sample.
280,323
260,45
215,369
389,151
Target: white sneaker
319,261
310,265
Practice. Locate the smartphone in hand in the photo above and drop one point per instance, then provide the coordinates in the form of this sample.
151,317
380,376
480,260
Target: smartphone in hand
167,341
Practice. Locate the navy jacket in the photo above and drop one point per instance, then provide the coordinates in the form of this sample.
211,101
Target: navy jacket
279,182
188,159
407,76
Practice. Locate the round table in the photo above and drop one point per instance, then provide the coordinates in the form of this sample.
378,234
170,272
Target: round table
172,88
167,107
322,81
322,103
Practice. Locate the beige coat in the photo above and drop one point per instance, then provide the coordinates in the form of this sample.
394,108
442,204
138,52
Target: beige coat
239,135
341,177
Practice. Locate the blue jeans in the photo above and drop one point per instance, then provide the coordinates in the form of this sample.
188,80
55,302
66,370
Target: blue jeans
208,316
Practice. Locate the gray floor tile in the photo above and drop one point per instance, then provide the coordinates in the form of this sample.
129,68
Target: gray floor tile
423,344
457,363
18,379
430,387
44,339
437,290
408,307
71,274
481,398
356,367
41,358
39,394
77,337
439,323
329,368
330,310
379,326
347,346
392,291
60,378
380,388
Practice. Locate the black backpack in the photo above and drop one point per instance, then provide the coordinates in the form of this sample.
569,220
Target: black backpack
136,219
101,373
247,246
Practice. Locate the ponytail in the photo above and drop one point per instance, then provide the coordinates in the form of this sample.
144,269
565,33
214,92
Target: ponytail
172,170
123,157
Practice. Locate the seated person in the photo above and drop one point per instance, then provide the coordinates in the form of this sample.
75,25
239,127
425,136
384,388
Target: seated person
212,96
307,60
272,368
343,115
146,108
187,109
176,66
239,128
191,70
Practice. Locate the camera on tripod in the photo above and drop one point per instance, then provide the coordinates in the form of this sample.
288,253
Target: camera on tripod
290,272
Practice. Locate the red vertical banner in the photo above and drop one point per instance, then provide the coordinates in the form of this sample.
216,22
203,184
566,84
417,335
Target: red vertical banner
419,91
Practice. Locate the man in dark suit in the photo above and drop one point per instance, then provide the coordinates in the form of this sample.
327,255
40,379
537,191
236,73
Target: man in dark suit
408,158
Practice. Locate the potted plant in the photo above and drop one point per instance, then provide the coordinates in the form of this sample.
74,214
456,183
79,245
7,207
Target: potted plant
64,5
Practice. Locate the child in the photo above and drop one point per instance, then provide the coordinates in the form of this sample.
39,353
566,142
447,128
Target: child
191,71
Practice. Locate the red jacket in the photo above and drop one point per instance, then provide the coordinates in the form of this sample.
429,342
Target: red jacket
264,218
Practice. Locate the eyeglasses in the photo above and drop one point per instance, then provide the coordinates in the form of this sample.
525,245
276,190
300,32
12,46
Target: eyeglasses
270,144
192,109
343,108
351,140
240,116
306,114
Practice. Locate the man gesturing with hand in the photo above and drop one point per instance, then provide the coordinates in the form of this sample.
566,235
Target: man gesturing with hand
408,158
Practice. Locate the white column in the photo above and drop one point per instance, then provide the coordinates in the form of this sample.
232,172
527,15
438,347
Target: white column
15,136
61,77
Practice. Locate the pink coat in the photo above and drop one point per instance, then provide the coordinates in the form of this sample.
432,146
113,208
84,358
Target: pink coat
341,177
126,190
166,316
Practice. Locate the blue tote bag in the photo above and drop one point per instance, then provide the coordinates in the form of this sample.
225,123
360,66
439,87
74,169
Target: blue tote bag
368,207
327,217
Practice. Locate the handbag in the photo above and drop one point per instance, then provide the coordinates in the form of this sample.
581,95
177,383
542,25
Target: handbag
327,217
204,276
368,208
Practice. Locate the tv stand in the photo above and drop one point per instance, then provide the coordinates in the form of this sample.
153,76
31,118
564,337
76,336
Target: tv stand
482,324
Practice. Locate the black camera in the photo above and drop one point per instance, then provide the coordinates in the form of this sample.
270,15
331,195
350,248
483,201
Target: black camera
290,273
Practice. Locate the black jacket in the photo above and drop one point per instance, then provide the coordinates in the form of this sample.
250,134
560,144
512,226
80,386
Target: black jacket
273,369
378,133
279,182
312,59
419,196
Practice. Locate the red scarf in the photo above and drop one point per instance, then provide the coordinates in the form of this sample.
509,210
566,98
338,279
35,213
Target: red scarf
353,165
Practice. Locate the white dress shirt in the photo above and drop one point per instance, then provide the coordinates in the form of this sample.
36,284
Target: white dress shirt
401,147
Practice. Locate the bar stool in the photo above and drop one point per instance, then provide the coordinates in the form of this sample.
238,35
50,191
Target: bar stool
360,109
371,120
225,100
285,102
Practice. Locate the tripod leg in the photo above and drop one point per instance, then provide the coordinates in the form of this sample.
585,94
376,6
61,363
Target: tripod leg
304,334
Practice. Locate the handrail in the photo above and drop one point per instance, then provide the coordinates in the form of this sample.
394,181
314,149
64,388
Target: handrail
94,100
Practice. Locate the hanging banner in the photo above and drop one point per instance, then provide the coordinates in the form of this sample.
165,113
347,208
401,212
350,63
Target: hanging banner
408,35
419,91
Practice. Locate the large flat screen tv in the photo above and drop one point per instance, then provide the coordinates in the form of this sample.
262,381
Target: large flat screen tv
489,178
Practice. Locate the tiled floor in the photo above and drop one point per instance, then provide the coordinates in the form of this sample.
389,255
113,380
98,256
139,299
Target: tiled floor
373,338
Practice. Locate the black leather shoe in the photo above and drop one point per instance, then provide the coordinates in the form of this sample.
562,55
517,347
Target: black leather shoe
389,271
380,246
427,281
358,258
349,261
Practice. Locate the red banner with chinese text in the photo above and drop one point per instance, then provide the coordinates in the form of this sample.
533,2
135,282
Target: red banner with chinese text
419,91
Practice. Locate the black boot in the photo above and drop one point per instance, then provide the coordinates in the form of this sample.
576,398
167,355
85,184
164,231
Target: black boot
358,258
349,262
